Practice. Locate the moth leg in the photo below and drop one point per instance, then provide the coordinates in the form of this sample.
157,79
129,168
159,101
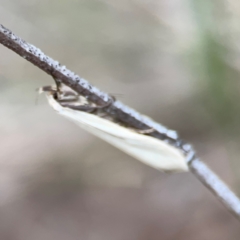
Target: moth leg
103,115
50,89
95,108
84,108
68,96
107,104
58,84
145,131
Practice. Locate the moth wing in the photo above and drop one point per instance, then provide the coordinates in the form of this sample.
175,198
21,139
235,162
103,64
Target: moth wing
149,150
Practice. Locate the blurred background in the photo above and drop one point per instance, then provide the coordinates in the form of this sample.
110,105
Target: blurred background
176,61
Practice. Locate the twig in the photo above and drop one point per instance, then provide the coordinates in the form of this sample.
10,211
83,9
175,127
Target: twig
122,113
216,185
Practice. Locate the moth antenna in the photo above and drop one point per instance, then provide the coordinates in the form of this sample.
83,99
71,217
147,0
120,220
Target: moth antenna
39,91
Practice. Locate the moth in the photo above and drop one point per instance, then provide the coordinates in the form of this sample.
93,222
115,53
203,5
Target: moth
149,150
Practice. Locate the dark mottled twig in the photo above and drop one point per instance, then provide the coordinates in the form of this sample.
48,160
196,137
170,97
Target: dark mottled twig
122,113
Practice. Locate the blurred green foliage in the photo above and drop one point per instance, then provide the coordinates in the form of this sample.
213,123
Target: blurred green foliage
218,79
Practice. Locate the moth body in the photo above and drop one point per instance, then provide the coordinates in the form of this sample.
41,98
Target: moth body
149,150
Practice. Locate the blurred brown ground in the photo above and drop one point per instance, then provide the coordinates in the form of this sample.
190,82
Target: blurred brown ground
57,181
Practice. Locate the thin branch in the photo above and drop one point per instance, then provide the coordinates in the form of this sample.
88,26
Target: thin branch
122,113
216,185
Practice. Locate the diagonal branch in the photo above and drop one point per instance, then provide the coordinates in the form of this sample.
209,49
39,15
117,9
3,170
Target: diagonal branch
122,113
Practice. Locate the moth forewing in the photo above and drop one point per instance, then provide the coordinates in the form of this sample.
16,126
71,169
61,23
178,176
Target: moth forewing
149,150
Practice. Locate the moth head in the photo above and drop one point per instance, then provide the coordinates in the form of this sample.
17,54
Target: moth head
61,94
52,90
